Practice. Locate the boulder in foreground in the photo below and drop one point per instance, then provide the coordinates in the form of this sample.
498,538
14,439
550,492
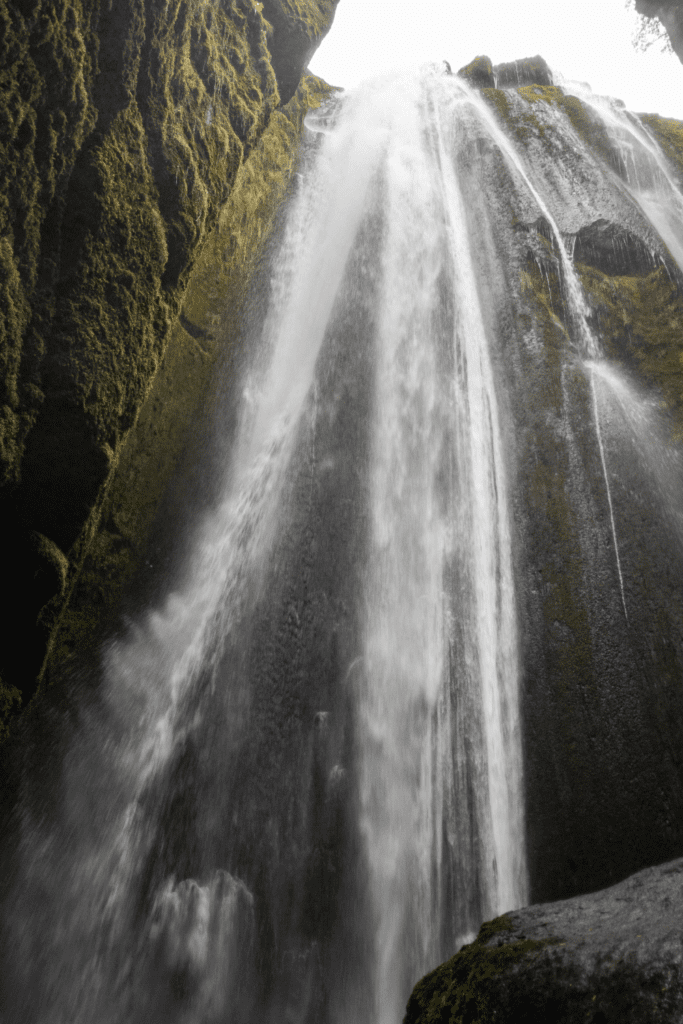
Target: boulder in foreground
610,957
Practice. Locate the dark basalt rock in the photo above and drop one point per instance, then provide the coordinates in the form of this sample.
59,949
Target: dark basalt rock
670,14
296,37
614,250
528,71
479,73
610,957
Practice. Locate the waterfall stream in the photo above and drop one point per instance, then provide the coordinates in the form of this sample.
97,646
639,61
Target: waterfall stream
300,784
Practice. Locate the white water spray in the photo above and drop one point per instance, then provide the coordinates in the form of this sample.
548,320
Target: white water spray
441,552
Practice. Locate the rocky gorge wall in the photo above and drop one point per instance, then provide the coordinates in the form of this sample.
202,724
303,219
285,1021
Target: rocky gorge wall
145,241
670,16
145,149
603,639
598,568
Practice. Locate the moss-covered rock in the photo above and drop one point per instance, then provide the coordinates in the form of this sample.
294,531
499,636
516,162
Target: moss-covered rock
479,73
124,127
600,612
612,957
175,412
640,320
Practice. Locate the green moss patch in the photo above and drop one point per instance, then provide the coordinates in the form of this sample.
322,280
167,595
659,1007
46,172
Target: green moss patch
180,394
524,125
669,135
479,73
640,321
464,990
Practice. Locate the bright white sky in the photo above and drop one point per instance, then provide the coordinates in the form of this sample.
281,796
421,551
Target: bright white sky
586,40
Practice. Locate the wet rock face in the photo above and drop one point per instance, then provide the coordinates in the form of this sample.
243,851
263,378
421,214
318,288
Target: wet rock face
297,32
613,249
124,126
529,71
479,73
611,957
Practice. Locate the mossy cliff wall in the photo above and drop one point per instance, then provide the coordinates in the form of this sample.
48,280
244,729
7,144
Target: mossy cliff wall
602,639
142,144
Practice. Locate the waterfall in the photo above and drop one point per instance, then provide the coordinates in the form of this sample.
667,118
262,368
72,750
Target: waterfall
287,807
297,783
440,771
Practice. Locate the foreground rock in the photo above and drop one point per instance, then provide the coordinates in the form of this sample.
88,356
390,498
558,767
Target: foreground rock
611,957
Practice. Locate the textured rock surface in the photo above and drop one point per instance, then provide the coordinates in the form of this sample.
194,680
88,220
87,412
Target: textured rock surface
123,128
530,71
479,73
614,250
602,690
610,957
670,14
170,424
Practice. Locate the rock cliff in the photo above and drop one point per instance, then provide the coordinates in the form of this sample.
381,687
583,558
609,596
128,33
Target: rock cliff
670,14
602,689
144,147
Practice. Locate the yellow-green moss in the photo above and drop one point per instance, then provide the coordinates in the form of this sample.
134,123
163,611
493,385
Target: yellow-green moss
498,99
122,133
479,72
541,93
181,387
640,320
313,15
591,129
110,342
525,125
669,134
45,113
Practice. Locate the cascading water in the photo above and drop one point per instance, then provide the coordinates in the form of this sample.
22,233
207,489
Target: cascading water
154,898
438,719
652,184
299,783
